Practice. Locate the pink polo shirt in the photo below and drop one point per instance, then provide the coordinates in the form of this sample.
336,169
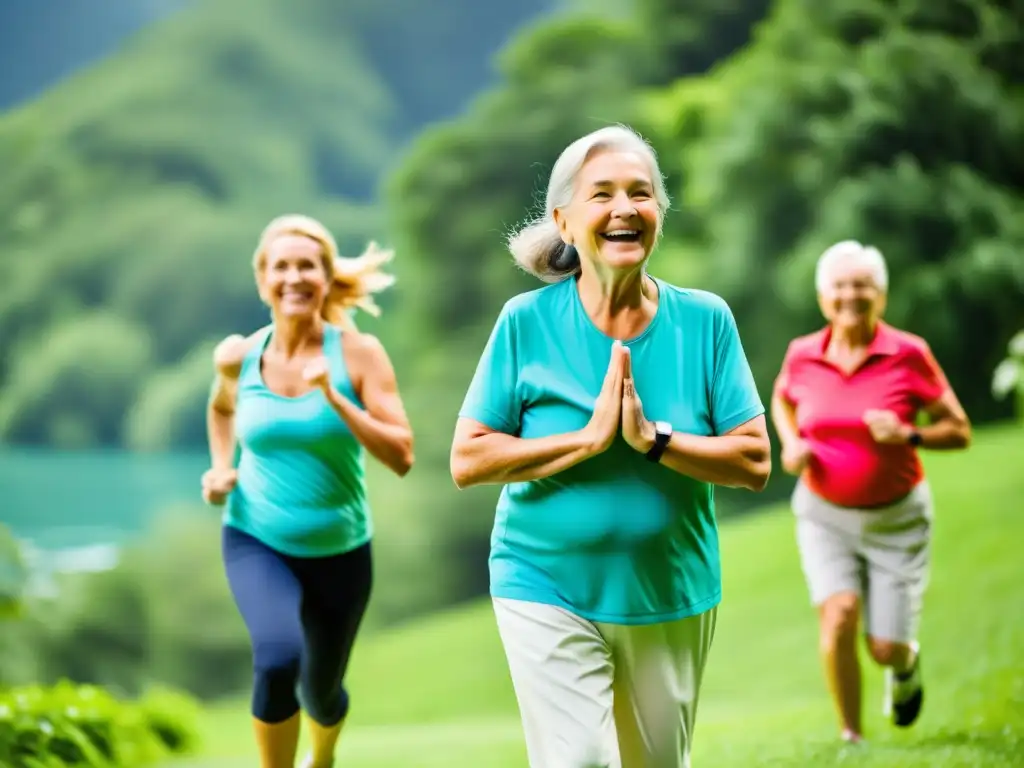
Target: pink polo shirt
847,467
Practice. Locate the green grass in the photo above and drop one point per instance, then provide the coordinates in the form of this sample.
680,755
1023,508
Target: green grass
437,693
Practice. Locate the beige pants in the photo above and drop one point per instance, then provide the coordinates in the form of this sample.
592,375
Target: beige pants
595,695
880,554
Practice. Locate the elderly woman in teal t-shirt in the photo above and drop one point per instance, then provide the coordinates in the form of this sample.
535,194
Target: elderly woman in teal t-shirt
608,404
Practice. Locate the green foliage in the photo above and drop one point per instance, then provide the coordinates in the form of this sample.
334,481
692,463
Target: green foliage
14,575
825,129
483,173
195,154
69,725
140,186
75,379
689,38
170,410
174,717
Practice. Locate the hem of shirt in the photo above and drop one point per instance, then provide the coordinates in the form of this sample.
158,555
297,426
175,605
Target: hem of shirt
866,505
740,418
547,598
300,552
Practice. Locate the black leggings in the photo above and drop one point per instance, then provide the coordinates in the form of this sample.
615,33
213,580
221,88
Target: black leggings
302,615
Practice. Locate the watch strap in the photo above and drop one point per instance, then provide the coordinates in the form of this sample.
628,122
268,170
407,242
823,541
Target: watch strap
662,436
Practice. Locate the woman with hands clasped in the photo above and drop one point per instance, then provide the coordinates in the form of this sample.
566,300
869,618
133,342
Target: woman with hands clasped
618,408
607,405
846,405
306,397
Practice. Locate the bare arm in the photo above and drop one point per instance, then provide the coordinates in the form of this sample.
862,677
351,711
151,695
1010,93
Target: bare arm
741,458
784,419
220,411
950,429
482,456
383,427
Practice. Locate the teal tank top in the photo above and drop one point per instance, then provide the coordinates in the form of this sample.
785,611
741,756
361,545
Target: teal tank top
301,486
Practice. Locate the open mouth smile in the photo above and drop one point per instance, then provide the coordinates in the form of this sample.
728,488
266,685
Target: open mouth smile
622,236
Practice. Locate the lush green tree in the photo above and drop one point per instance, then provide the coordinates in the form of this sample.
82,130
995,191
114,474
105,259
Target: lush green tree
140,185
74,380
894,123
466,183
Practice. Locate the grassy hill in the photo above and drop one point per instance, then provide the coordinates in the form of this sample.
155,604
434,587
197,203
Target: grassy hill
436,692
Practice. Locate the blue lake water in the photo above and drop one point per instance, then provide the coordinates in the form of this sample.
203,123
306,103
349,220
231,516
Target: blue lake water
60,500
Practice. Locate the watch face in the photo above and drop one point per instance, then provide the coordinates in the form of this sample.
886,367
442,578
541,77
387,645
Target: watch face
663,427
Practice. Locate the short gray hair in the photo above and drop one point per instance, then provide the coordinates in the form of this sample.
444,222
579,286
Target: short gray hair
851,251
537,246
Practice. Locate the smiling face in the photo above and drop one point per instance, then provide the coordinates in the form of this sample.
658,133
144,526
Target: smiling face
850,297
613,218
293,280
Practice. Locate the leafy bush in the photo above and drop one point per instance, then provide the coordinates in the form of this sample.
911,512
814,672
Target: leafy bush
173,716
86,726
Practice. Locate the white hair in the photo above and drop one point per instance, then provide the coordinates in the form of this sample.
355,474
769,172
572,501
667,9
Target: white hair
851,252
537,246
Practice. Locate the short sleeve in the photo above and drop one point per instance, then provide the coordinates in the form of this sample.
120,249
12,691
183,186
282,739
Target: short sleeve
929,382
734,396
492,398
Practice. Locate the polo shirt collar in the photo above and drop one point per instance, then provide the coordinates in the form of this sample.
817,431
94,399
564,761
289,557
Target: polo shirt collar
885,341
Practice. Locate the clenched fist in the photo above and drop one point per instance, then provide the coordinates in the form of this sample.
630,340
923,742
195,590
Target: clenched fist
795,455
218,484
317,373
886,427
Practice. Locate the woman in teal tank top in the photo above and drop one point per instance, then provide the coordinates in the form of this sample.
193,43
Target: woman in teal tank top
304,399
608,405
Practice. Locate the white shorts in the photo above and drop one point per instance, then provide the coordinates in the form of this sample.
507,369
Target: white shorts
880,554
594,695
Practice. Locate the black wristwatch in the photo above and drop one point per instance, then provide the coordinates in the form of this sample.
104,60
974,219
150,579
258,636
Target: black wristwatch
915,438
662,434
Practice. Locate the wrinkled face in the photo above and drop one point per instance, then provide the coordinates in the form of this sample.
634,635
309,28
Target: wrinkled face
293,281
613,217
851,298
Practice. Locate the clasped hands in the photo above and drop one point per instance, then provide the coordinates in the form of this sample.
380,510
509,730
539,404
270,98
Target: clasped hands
618,407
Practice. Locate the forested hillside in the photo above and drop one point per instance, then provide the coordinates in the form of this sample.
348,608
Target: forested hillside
133,193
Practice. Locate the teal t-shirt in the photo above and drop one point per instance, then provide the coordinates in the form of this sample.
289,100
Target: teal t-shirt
616,538
301,486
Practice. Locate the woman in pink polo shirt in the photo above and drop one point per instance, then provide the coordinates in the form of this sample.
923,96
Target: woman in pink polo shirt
846,405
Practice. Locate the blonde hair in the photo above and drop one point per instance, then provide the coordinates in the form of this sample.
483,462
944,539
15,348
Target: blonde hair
351,281
537,246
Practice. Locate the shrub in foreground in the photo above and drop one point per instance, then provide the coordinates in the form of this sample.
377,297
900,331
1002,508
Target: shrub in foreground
87,727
